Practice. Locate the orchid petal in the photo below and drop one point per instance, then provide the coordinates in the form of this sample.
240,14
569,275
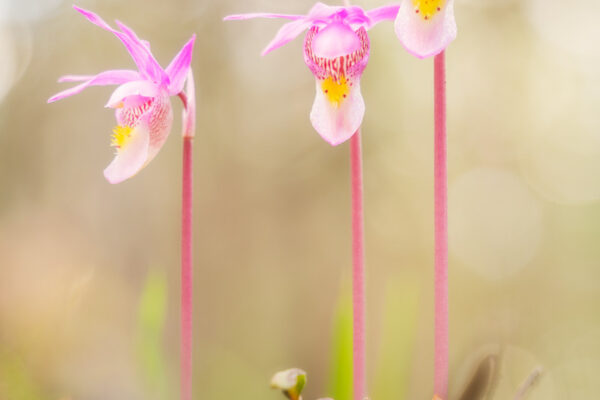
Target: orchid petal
140,54
321,11
324,14
179,67
241,17
152,66
337,123
385,13
189,113
130,159
76,78
425,38
287,33
134,88
111,77
320,15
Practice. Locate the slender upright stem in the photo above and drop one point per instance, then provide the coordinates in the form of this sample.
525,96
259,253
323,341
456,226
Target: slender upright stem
358,270
186,271
441,230
188,98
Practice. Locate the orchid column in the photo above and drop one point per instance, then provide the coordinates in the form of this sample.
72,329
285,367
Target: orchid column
426,28
336,50
144,117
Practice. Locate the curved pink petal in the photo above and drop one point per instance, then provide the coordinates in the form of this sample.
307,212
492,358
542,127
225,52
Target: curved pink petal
140,53
189,113
241,17
112,77
135,89
322,14
179,67
152,66
131,158
425,38
287,33
385,13
337,123
76,78
321,11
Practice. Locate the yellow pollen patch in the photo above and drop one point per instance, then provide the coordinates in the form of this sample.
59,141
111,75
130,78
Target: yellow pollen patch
428,8
121,136
335,91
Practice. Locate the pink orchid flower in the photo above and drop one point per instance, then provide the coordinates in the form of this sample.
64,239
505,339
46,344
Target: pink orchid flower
425,27
142,101
336,49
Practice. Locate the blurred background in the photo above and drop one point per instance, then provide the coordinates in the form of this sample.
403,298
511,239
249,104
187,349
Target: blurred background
89,272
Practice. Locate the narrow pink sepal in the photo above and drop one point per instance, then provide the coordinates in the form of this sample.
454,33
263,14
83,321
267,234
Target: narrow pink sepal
111,77
425,38
189,112
152,66
320,15
385,13
131,159
337,124
75,78
242,17
286,34
140,53
133,88
179,67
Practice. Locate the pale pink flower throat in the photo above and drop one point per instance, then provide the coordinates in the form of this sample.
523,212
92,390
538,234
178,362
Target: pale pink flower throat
159,114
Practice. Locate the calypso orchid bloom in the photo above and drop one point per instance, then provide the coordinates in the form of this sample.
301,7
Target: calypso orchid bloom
425,27
142,101
336,49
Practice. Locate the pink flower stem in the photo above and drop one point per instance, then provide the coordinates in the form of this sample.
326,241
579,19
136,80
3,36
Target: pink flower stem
186,271
441,229
186,266
358,267
358,270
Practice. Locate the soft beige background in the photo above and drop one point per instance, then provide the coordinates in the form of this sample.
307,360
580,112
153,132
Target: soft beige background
272,244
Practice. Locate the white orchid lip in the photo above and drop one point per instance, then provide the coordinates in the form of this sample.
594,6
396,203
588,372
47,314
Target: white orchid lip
425,27
338,108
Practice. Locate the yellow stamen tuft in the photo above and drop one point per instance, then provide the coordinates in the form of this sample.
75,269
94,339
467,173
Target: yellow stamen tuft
336,91
121,136
428,8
